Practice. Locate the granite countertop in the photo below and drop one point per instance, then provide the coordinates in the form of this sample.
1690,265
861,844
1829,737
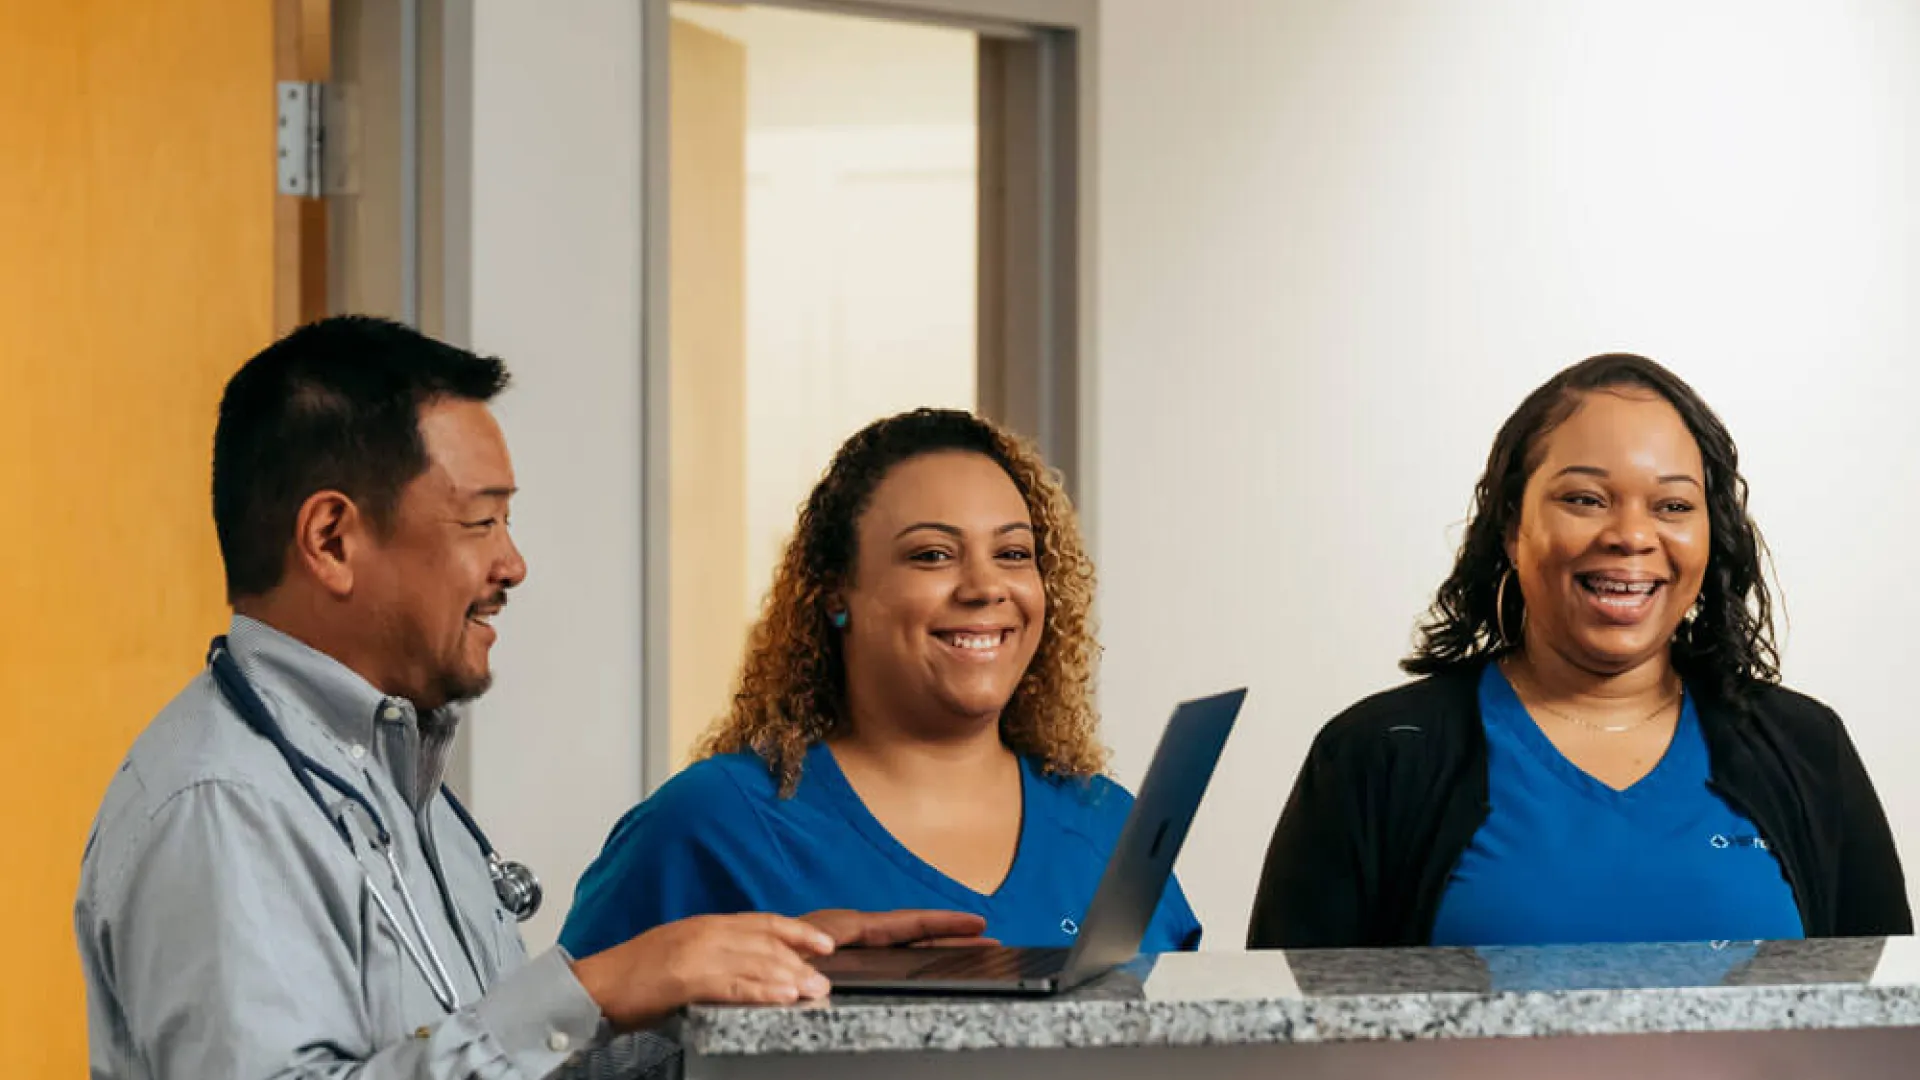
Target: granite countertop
1358,995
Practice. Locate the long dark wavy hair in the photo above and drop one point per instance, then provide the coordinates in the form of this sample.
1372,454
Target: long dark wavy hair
1724,648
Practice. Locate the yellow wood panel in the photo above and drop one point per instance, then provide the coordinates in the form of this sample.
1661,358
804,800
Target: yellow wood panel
707,383
136,271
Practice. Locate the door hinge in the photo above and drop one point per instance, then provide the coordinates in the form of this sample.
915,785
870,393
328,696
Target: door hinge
302,142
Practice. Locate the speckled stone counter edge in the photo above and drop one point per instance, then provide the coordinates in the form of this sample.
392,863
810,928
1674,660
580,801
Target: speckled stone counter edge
950,1024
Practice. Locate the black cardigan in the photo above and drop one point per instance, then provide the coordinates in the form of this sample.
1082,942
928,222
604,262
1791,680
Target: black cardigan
1394,789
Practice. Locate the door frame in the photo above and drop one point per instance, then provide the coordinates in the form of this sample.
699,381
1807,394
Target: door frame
1037,288
302,52
392,235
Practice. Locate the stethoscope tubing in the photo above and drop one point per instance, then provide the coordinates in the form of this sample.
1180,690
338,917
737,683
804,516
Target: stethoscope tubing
240,693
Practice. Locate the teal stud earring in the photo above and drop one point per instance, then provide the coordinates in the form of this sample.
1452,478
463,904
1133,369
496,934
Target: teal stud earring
838,619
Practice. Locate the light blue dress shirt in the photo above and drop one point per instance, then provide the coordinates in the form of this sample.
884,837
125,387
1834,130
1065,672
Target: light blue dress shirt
226,930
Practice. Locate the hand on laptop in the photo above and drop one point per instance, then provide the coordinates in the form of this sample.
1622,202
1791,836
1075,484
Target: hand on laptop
875,929
724,959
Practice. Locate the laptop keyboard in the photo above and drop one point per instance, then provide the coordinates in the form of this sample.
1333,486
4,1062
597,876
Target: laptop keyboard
989,963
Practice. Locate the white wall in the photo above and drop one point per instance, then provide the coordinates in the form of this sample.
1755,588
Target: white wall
1337,242
556,746
1340,240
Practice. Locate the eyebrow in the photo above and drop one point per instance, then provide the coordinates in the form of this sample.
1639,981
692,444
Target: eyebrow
955,532
493,493
1594,470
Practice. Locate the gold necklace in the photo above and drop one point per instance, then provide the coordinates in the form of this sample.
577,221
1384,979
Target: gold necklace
1605,729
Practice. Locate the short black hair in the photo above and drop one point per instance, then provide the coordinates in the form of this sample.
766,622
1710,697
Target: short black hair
333,406
1724,649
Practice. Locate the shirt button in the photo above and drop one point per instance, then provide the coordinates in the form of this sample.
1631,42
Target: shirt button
390,712
356,751
558,1042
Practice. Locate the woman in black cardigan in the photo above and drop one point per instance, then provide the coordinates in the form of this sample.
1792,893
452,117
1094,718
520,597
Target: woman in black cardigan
1600,749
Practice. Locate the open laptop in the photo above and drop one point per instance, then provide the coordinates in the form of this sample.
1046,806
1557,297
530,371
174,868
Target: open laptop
1116,921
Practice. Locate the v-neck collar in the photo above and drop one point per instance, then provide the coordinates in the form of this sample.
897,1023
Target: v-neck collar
823,768
1685,753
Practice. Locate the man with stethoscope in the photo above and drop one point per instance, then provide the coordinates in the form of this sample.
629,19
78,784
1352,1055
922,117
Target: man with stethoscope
277,884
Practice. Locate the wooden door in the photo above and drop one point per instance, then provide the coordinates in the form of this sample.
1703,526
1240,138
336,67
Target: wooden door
137,271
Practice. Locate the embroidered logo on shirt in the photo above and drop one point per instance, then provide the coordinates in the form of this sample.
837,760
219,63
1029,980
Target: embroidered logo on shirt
1722,840
1069,927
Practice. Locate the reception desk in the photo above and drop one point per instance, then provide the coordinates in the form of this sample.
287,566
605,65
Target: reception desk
1624,1012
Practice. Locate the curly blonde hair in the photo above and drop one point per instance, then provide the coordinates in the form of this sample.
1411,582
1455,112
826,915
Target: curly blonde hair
792,689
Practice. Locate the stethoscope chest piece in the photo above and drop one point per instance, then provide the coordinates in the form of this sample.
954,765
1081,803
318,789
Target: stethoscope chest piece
516,886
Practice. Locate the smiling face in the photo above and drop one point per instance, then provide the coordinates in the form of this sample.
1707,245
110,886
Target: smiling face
432,587
1612,542
946,607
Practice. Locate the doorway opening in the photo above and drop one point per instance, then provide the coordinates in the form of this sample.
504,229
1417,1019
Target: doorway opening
853,210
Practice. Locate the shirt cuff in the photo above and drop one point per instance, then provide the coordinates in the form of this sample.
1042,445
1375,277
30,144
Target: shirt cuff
540,1014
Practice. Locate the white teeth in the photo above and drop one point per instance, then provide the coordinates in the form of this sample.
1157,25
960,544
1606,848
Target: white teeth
973,641
1625,595
1622,588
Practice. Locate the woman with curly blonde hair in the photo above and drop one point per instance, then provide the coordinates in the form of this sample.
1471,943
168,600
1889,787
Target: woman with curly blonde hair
913,725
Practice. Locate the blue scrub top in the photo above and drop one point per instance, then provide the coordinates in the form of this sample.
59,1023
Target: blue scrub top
1564,859
718,838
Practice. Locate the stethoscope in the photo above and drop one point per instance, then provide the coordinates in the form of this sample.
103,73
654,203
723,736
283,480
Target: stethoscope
518,890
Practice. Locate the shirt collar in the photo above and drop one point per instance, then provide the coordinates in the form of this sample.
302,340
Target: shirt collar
343,703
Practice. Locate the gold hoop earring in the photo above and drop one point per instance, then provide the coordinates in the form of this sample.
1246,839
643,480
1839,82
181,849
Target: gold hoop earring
1500,610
